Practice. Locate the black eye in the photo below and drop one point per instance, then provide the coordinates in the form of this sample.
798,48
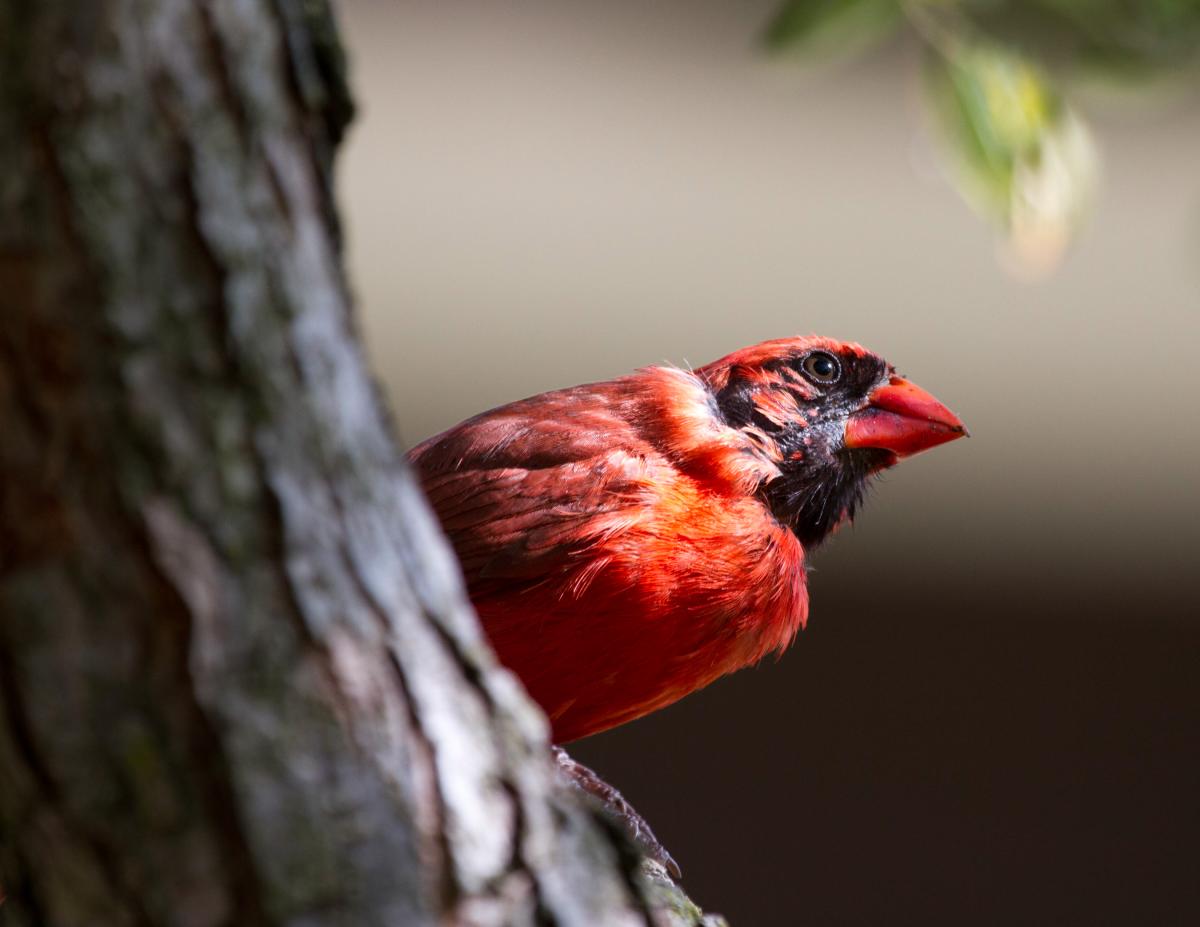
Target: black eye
821,367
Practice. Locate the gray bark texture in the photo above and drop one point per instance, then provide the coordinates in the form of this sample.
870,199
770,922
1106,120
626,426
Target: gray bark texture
239,680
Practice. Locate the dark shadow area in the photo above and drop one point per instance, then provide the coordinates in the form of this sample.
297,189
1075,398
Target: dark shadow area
1027,758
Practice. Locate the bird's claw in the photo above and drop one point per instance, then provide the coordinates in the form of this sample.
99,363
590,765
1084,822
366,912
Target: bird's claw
583,779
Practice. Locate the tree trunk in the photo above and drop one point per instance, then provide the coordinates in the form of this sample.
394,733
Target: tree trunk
239,680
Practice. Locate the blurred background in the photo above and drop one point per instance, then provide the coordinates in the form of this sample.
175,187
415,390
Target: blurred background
993,715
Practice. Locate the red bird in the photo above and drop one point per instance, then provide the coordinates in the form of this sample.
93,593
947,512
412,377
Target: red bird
628,542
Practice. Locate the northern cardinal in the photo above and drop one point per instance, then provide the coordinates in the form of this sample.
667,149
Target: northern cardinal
628,542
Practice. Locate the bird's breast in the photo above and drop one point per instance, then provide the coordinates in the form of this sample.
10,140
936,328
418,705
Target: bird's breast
687,586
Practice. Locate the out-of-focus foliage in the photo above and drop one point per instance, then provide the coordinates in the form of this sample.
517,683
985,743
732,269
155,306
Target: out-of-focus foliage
835,25
1122,37
1016,150
1014,146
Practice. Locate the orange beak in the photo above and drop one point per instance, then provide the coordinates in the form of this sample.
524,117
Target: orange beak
904,419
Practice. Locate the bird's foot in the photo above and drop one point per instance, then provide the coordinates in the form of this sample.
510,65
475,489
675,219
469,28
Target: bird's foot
613,802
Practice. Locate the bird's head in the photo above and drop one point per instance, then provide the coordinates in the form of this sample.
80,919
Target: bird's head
828,415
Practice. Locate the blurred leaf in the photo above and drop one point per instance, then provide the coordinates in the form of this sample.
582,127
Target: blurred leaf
837,26
1118,37
1017,151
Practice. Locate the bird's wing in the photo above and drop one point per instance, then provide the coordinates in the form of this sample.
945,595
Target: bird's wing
524,490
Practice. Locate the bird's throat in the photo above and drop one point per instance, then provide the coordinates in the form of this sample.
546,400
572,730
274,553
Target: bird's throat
813,500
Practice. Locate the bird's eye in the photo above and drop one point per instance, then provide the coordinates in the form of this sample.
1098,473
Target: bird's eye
821,367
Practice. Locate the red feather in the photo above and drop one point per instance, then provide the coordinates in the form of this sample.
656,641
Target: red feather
613,538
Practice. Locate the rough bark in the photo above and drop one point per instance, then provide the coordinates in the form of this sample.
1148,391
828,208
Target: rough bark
239,681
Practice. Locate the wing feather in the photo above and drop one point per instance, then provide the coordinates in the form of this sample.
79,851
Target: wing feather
522,491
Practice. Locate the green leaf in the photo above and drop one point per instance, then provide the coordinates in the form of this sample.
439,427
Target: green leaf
1120,37
832,26
1017,152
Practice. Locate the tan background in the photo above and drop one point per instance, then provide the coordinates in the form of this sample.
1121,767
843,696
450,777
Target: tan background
1002,651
